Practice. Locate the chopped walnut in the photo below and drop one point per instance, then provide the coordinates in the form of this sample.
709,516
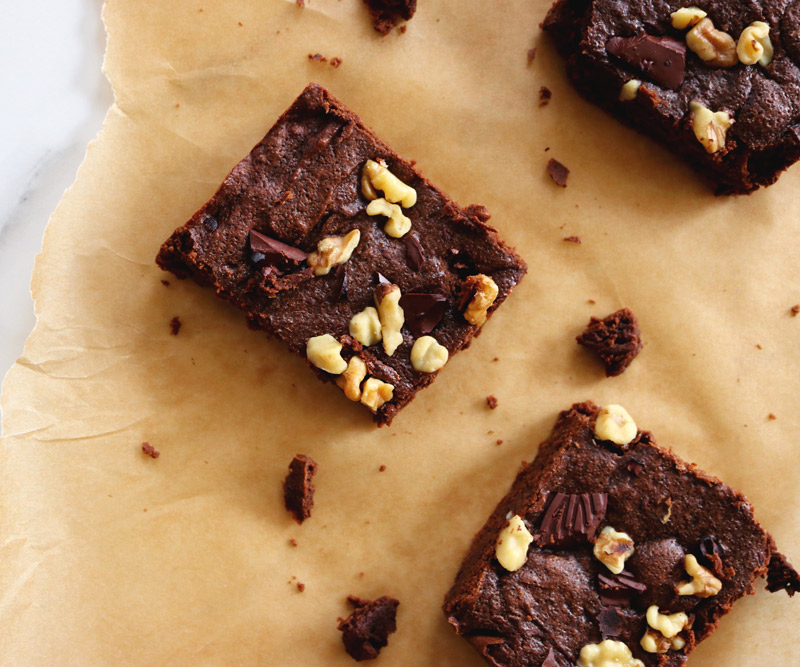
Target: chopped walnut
374,393
709,127
392,318
613,548
427,355
350,381
486,291
608,653
668,625
325,352
398,224
703,583
754,45
365,327
686,17
616,425
715,48
376,176
333,250
512,544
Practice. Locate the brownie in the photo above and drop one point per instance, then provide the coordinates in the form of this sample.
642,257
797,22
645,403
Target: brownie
298,487
616,339
608,44
386,14
366,631
256,240
582,496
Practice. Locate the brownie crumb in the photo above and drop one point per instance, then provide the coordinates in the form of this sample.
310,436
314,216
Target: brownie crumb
335,62
616,339
301,586
771,416
382,469
591,301
174,326
301,4
794,310
150,451
558,172
496,359
544,96
165,283
293,542
366,631
386,14
498,442
572,239
491,401
298,487
781,575
531,55
317,57
402,29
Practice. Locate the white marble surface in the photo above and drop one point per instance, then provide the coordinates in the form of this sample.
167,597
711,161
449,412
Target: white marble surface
54,100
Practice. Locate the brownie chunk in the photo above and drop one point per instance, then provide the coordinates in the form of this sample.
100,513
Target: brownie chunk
616,339
386,14
298,487
366,631
732,113
596,539
295,238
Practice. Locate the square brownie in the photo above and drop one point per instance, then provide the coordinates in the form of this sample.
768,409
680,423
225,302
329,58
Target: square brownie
297,237
716,82
608,543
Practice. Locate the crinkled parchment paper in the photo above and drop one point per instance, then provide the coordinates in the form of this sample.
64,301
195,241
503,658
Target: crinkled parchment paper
110,557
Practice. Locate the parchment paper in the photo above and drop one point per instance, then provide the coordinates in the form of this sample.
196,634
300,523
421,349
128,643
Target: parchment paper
111,558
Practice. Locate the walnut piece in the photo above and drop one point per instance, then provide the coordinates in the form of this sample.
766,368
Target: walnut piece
374,393
703,583
486,291
333,250
608,653
615,424
512,544
427,355
378,177
325,352
754,45
352,378
613,548
398,224
365,327
686,17
629,90
668,625
392,319
715,48
709,127
654,642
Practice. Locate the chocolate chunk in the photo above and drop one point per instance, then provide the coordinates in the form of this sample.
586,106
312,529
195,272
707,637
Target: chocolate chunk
661,59
635,467
570,517
298,487
709,547
781,575
275,253
210,223
423,311
616,339
558,172
366,631
611,622
618,590
340,282
414,255
550,660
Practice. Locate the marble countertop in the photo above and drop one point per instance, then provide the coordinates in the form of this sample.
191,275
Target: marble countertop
56,97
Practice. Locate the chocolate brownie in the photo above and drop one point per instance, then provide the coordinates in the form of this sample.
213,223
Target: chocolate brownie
298,487
366,631
386,14
616,339
719,86
297,237
609,543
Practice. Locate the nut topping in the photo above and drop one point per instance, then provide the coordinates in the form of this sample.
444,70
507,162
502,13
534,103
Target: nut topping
352,378
333,250
686,17
365,327
374,393
376,176
668,625
608,653
755,45
486,291
427,355
629,90
613,548
715,48
512,544
391,316
398,225
703,583
654,642
615,424
709,127
325,352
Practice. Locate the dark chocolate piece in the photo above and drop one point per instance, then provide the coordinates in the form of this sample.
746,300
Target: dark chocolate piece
414,254
298,487
386,14
423,311
571,517
634,467
662,59
555,600
366,631
550,660
615,339
618,589
558,172
274,252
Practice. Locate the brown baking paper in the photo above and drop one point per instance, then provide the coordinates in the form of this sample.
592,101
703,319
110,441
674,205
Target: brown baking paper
111,557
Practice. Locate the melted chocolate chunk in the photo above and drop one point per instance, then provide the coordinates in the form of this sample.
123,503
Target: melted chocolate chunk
635,467
340,282
611,622
366,631
414,255
550,660
571,517
275,253
618,590
661,59
423,311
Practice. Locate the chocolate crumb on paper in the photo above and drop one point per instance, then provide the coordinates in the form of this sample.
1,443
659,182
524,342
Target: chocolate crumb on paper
301,586
531,55
317,57
298,487
491,401
794,310
174,326
165,283
771,416
150,451
558,172
382,469
335,62
572,239
366,631
293,542
301,4
616,339
545,94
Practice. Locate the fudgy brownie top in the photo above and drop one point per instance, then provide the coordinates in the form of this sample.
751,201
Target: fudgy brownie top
563,597
608,43
303,183
616,339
